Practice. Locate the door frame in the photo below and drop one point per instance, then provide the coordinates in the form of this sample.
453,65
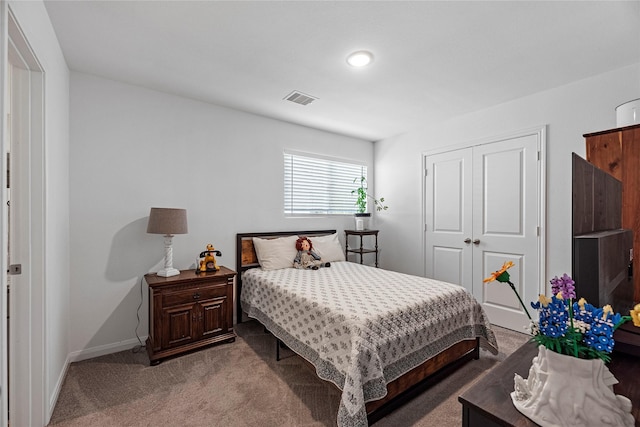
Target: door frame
540,132
4,354
25,359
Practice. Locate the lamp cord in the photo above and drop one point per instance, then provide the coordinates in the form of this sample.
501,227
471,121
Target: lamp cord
140,347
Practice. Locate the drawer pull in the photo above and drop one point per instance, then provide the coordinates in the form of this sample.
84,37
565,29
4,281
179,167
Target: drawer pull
196,296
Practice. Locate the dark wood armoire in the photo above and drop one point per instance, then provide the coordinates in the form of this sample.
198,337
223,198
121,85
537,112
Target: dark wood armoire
617,151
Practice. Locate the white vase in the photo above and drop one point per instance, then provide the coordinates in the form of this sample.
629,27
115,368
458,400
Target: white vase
362,221
628,113
566,391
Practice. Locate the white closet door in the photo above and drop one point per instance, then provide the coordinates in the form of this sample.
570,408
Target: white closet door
505,222
482,208
448,208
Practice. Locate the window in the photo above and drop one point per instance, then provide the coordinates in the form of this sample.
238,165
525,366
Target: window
316,185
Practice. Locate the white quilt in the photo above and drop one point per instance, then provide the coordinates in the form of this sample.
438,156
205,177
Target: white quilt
362,327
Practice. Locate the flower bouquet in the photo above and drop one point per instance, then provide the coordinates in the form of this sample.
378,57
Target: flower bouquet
569,383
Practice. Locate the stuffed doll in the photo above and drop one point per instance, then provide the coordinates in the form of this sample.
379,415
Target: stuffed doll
307,257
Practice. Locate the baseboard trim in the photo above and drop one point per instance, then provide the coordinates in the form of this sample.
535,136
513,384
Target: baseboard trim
101,350
53,399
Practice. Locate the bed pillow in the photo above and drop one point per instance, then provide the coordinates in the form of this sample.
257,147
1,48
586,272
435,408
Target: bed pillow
274,254
328,247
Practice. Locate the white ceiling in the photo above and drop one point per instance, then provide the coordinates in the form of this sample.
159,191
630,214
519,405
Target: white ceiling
433,60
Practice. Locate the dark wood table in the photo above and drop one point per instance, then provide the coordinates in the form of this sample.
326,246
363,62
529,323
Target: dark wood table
488,402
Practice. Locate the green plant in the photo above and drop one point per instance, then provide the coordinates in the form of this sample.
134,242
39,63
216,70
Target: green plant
361,201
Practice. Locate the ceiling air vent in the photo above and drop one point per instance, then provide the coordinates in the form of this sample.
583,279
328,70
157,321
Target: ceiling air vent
300,98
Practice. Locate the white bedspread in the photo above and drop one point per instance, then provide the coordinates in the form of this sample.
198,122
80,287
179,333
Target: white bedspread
362,327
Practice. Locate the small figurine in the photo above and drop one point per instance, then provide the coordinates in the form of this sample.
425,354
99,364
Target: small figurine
307,257
208,260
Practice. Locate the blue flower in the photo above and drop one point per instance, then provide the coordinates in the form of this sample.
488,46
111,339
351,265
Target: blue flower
574,328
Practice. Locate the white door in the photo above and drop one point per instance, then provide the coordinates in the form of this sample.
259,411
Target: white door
483,207
448,208
4,132
18,254
24,242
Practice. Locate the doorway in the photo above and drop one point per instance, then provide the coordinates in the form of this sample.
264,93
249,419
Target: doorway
484,205
23,234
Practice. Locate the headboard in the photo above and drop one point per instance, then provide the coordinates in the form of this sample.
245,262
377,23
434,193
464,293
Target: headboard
246,255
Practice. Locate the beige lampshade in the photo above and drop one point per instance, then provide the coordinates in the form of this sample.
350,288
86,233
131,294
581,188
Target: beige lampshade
167,221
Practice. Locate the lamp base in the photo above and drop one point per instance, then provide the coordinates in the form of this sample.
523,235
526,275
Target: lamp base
168,272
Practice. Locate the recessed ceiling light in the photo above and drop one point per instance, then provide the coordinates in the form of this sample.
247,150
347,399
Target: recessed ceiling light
360,58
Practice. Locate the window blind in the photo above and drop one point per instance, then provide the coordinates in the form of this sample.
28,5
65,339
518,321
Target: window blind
316,185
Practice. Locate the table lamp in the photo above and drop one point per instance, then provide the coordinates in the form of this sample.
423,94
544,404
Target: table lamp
167,221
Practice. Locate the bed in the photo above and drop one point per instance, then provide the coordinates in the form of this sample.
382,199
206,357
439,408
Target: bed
378,335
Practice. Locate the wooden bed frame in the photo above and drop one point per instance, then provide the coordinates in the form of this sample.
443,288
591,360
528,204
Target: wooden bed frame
403,388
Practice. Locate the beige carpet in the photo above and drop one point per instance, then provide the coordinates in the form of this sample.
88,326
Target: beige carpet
240,384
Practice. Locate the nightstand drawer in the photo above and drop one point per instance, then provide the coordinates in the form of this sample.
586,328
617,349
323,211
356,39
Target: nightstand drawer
200,293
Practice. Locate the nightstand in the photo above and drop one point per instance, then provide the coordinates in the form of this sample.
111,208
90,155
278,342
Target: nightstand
361,250
189,311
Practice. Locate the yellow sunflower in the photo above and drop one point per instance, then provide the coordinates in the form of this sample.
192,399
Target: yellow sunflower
496,275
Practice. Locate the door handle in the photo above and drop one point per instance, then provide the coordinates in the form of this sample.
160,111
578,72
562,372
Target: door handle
476,242
467,240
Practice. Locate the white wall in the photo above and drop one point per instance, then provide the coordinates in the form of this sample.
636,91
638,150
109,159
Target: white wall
133,149
34,21
569,112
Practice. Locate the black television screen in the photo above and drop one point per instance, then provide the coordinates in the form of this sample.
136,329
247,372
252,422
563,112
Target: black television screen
601,268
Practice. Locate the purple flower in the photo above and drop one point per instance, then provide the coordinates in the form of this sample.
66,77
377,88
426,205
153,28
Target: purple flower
564,285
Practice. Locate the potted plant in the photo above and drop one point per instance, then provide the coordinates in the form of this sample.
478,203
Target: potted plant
361,203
